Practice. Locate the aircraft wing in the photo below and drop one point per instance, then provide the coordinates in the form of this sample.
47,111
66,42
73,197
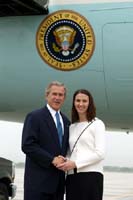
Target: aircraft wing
23,7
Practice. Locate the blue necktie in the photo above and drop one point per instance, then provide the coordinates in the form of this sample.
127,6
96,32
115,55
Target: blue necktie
59,127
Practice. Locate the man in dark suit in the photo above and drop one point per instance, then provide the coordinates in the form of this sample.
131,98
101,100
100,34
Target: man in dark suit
41,144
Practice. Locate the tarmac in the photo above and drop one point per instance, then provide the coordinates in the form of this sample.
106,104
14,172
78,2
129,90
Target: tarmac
117,186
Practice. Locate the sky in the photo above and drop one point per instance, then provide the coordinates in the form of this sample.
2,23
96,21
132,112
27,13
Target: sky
119,146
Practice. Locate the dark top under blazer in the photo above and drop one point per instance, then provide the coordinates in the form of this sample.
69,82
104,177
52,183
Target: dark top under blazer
40,143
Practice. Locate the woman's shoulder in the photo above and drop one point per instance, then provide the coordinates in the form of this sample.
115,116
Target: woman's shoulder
98,121
78,124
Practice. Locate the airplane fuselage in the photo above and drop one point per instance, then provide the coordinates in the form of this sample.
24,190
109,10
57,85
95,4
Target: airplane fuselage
105,67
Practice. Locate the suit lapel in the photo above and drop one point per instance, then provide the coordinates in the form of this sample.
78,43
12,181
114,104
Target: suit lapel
65,136
49,119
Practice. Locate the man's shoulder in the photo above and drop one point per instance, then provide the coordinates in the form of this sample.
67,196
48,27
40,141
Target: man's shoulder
37,112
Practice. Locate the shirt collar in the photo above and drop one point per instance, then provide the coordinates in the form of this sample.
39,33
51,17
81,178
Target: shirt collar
52,111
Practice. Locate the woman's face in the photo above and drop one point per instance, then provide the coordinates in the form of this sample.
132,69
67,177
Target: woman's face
81,103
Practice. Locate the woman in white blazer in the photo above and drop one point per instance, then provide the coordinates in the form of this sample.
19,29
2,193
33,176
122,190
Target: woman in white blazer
84,164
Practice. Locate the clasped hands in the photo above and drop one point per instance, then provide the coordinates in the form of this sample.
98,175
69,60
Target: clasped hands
63,163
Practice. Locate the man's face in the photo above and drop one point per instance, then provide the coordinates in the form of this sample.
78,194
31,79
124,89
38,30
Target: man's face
55,98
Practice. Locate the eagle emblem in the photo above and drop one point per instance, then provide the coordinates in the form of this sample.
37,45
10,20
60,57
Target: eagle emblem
64,37
65,40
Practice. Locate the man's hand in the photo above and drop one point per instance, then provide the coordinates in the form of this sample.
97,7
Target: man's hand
58,160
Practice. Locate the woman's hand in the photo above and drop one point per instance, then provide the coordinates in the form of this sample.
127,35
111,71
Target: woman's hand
67,165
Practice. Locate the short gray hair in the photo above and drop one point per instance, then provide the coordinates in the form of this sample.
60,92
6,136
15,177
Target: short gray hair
55,83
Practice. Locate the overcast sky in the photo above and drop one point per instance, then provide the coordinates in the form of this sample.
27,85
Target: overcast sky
119,145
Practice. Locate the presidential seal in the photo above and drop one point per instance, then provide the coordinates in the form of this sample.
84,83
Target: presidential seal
65,40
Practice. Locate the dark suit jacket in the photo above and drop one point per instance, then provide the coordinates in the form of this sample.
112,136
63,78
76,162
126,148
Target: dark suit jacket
40,143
